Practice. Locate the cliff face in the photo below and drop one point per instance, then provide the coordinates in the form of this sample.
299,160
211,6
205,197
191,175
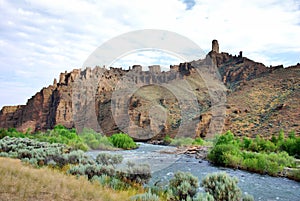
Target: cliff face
51,106
180,102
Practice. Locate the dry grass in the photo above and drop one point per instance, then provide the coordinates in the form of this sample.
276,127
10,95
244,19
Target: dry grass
21,182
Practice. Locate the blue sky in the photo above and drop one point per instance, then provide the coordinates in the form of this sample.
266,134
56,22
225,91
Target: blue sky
40,39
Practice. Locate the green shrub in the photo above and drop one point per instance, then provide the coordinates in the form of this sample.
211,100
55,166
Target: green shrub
280,136
138,173
116,184
123,141
222,187
250,164
248,197
111,182
91,170
204,197
220,152
77,157
109,159
43,153
291,146
183,186
233,160
182,141
148,196
227,138
167,139
198,141
95,140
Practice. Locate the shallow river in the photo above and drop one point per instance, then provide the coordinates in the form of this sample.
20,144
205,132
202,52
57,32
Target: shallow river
163,166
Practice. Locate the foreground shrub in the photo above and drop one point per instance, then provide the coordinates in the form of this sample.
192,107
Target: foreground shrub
183,186
148,196
42,153
138,173
111,182
107,174
204,197
91,170
222,187
122,141
248,197
109,159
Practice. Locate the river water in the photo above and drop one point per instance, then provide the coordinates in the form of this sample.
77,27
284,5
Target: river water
163,167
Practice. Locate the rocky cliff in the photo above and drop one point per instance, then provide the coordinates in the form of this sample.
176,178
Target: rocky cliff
242,95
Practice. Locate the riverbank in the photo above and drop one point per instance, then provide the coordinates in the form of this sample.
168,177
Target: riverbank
253,155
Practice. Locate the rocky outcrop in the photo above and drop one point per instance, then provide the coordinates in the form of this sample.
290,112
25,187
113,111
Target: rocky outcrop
51,106
185,101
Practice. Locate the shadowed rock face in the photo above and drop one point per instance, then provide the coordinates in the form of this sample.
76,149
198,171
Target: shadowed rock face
152,104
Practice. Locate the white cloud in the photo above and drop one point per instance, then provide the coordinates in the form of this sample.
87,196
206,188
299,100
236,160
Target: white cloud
39,39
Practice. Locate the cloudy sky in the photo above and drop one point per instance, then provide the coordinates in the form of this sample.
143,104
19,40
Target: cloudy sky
41,38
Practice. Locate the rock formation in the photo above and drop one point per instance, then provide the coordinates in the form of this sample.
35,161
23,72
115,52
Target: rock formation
244,96
215,46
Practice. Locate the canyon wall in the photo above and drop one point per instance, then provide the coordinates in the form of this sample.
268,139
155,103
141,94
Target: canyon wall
184,101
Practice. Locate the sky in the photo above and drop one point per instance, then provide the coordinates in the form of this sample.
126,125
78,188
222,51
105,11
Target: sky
41,38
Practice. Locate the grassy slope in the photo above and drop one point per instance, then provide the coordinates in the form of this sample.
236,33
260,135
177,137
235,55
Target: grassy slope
21,182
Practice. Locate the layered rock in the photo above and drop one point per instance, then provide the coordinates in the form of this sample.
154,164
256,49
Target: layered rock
196,98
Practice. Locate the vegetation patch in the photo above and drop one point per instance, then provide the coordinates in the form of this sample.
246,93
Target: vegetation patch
218,186
183,141
273,157
122,140
88,139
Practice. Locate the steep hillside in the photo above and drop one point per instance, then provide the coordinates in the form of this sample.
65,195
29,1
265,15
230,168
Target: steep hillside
266,104
198,98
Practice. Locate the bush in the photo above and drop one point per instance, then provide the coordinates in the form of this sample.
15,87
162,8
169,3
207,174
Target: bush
122,141
182,141
222,187
204,197
291,146
91,170
167,139
220,152
272,163
43,153
148,196
198,141
183,186
227,138
140,173
95,140
109,159
248,197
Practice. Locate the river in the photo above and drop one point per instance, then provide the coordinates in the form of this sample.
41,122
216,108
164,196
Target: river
163,167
